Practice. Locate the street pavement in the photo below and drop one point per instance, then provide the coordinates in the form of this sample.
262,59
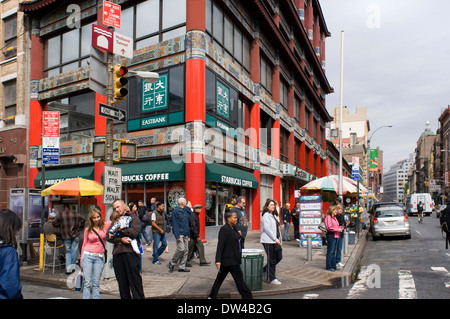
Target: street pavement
295,272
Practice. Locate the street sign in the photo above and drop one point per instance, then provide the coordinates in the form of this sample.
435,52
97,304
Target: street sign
102,38
112,112
111,14
123,45
50,138
98,71
112,184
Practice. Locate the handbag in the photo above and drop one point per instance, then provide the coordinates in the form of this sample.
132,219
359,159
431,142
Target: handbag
323,227
103,244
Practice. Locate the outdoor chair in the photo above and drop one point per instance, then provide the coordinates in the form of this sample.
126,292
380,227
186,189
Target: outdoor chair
51,244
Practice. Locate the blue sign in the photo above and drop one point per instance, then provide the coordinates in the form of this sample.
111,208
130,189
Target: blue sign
50,156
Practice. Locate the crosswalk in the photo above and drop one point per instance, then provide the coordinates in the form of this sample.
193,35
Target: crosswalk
369,278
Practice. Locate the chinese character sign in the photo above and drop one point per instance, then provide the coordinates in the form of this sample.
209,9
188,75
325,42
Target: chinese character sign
154,95
223,100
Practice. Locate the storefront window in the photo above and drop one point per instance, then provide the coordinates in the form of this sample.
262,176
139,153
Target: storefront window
210,204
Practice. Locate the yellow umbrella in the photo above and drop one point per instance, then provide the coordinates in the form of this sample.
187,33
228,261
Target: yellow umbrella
75,187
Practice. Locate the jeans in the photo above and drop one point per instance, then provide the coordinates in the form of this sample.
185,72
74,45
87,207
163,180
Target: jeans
71,253
144,233
92,271
157,239
331,253
340,241
286,231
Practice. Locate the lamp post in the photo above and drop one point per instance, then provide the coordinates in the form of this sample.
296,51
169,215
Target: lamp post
368,163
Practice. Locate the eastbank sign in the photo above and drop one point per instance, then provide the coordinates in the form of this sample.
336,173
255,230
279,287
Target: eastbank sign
146,177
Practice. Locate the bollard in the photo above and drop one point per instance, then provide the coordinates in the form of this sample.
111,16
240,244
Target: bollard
309,251
345,242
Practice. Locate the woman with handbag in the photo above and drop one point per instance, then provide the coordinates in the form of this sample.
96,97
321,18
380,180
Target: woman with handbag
271,240
333,233
93,253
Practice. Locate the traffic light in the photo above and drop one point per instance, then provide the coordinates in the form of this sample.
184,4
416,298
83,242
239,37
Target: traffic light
120,81
127,151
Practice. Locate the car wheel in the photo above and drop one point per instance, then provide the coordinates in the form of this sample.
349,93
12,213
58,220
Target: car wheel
408,236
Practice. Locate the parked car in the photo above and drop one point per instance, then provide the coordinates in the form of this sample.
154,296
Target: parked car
381,204
390,221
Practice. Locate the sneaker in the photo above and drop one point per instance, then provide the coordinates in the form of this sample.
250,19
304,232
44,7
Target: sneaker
183,270
157,262
340,264
275,282
170,267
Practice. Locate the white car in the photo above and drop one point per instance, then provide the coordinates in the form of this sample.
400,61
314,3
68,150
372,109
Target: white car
390,221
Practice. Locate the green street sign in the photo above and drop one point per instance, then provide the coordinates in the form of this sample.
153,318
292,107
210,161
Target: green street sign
154,96
223,100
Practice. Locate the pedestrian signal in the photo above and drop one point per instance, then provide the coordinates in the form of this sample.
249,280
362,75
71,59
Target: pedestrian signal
127,151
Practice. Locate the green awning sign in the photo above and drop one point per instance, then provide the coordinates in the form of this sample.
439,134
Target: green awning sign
230,175
154,96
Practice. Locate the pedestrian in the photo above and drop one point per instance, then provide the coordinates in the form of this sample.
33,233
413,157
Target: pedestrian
93,253
341,219
180,228
71,224
271,240
196,240
332,236
126,262
142,210
242,222
10,286
229,258
286,217
159,229
49,229
230,205
295,215
152,206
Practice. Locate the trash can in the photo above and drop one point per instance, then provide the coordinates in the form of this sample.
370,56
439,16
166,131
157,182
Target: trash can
252,268
351,238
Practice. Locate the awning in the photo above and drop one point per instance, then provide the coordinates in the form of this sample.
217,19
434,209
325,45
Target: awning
56,175
152,171
230,175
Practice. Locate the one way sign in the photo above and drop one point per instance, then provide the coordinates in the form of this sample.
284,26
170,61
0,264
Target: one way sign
112,112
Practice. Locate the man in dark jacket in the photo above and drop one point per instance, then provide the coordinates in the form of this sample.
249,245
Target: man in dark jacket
196,240
126,262
142,210
180,228
229,257
242,222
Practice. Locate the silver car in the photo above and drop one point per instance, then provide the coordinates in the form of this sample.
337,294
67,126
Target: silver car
390,221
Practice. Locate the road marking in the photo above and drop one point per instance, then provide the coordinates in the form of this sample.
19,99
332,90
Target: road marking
448,255
445,272
360,286
310,296
418,232
407,287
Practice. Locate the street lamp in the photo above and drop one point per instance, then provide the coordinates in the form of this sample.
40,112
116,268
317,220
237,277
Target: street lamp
368,163
150,77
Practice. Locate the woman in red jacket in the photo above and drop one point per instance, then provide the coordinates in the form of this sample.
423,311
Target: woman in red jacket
333,233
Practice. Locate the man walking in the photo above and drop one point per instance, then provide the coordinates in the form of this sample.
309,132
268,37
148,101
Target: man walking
70,224
158,232
126,262
196,240
242,222
180,227
142,210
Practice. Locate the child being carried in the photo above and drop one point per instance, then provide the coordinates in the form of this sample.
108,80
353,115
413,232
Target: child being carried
121,222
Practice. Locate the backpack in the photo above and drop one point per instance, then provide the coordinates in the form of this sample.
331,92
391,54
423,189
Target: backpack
445,225
147,218
323,228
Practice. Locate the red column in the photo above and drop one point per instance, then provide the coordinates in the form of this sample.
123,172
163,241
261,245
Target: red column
195,103
36,107
254,134
100,131
276,132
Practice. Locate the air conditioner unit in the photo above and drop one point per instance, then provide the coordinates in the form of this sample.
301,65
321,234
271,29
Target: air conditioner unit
289,169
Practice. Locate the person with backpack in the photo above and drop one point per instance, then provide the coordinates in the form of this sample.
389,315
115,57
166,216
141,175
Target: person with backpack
445,224
145,220
420,211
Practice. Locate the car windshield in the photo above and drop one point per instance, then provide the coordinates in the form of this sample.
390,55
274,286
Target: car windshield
390,212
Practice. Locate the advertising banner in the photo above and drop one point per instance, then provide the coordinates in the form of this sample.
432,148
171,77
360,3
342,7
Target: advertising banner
310,219
373,164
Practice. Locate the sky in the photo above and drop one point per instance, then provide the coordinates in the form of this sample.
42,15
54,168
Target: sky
396,63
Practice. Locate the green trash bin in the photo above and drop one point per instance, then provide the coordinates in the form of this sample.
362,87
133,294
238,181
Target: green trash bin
252,268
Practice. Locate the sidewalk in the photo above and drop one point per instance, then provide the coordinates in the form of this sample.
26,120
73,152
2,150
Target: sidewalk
295,273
